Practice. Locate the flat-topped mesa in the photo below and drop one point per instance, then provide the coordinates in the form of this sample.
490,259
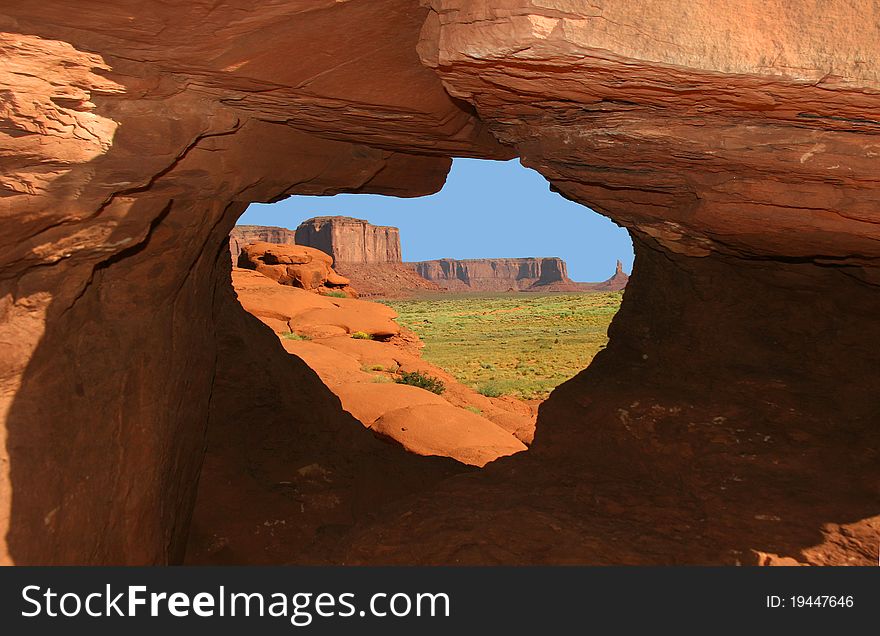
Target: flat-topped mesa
493,274
350,240
241,235
505,274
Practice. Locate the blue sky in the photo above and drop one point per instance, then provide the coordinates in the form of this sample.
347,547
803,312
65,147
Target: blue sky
487,209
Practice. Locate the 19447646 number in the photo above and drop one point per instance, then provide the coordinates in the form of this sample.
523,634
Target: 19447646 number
821,600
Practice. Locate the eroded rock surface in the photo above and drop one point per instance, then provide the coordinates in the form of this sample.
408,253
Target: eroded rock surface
752,134
387,280
617,282
132,141
369,255
350,240
493,274
244,234
733,414
360,352
510,274
295,265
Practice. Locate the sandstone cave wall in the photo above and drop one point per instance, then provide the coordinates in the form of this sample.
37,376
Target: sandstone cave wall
680,446
736,140
126,162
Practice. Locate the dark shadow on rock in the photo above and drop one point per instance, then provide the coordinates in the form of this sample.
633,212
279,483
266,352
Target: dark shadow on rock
106,432
731,418
287,471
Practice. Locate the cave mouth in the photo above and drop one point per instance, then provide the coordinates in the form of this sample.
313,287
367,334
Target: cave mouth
734,409
440,323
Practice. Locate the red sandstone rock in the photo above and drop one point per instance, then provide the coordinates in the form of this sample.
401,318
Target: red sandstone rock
290,309
370,401
345,365
260,456
447,431
336,280
493,274
350,240
370,353
521,426
371,255
353,320
302,267
329,364
510,274
736,140
759,114
617,282
126,161
243,234
386,280
365,253
267,300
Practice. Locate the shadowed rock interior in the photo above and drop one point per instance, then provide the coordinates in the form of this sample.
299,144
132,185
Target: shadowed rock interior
147,418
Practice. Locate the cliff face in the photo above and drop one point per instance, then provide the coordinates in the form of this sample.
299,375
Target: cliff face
504,274
346,239
350,240
243,234
493,274
370,255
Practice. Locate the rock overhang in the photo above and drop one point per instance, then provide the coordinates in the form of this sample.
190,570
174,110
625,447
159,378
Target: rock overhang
740,154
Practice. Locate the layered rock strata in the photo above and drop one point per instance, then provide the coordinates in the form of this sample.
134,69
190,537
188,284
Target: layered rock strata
243,234
510,274
732,416
350,240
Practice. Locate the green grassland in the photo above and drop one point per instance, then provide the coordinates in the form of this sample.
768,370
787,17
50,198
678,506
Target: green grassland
511,344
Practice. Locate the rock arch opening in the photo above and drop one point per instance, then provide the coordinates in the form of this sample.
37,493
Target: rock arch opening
731,419
448,356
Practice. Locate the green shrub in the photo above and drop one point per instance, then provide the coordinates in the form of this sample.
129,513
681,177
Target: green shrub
336,294
361,335
291,335
474,409
490,389
422,381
